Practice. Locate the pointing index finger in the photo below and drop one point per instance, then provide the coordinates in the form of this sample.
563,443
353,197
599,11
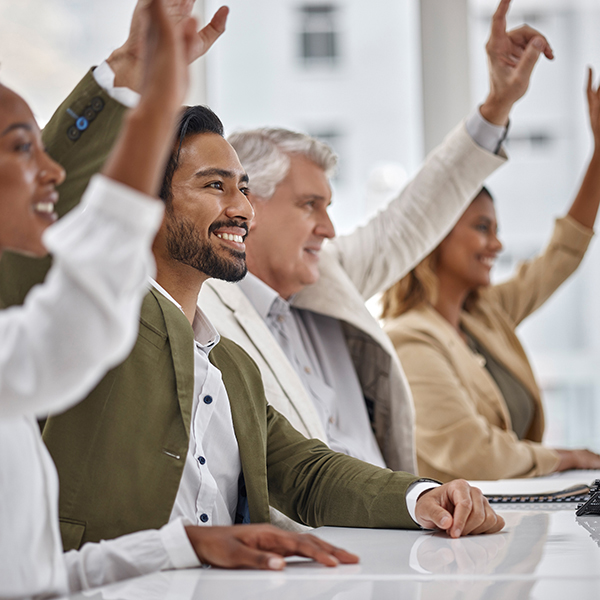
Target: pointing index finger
499,18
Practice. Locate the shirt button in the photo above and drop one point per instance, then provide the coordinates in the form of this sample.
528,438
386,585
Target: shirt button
281,318
331,420
307,370
204,517
201,460
208,399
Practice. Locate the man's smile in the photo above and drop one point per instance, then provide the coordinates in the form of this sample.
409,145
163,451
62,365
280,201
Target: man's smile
232,233
230,236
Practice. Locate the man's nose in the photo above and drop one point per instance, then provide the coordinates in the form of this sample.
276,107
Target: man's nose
324,227
240,208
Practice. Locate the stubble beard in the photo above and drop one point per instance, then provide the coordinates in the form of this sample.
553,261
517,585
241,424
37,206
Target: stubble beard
185,245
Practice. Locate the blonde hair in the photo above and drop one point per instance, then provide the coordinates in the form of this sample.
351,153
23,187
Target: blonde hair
418,287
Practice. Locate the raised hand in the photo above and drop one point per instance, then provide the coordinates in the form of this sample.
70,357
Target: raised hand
126,61
593,98
512,55
141,151
164,65
458,509
584,210
261,547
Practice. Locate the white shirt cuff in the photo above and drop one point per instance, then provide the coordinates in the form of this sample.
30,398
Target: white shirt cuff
178,546
485,134
105,78
412,495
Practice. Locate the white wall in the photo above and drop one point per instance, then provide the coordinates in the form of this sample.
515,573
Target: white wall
47,46
256,78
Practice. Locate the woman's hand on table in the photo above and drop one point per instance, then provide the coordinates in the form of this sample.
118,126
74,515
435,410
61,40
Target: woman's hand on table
577,459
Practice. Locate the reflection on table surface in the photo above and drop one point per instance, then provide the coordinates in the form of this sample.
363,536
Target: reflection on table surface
540,554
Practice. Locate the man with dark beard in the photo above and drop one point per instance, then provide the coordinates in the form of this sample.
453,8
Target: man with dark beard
182,427
183,241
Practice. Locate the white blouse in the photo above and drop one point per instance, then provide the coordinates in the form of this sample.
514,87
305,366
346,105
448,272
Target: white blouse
53,350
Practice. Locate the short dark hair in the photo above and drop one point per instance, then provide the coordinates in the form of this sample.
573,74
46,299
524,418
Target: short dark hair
194,120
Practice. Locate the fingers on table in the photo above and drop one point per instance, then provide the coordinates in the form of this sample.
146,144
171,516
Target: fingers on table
310,546
481,517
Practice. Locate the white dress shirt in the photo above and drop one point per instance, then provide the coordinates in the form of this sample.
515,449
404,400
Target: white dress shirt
209,488
69,332
307,339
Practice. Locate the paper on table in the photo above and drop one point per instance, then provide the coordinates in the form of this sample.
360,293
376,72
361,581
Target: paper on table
537,485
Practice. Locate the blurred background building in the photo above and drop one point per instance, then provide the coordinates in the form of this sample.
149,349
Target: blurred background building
382,82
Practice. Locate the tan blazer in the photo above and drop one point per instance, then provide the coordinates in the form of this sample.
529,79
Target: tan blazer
353,268
463,424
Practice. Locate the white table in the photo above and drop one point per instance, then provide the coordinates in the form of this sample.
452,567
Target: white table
543,553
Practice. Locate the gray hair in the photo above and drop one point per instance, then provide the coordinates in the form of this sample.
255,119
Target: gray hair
264,153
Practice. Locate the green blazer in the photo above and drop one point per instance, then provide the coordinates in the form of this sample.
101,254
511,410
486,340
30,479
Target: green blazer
120,452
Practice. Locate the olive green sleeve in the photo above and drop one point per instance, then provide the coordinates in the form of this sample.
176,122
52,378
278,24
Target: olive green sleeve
303,478
316,486
79,136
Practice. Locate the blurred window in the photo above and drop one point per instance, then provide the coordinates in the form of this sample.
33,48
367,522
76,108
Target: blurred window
319,34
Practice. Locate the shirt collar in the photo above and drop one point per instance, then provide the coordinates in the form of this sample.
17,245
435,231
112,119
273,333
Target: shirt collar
266,301
164,292
205,334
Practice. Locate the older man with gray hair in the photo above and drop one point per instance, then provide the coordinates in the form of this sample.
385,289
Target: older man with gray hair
300,312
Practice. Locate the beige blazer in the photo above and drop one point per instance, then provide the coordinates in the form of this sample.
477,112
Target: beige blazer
463,424
353,268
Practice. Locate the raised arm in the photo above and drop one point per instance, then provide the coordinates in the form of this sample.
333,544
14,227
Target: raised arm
84,320
394,241
585,206
86,154
537,280
511,58
127,60
140,154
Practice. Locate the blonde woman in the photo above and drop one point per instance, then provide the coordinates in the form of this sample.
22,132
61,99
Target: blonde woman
478,407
